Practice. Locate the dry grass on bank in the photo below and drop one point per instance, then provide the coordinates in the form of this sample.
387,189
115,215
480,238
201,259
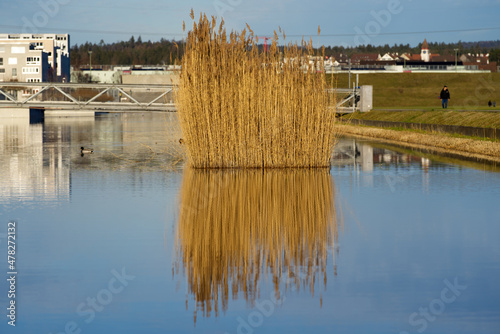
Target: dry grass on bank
467,147
236,226
241,107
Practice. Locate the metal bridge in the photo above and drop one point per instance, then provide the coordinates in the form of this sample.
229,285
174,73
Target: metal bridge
346,99
349,100
107,97
93,96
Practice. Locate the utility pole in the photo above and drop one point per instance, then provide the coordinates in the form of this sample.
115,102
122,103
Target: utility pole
349,73
90,69
456,62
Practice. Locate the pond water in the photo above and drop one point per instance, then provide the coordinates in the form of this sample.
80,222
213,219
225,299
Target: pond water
128,240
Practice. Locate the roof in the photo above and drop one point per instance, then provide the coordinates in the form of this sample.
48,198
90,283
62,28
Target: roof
439,58
341,57
365,56
425,45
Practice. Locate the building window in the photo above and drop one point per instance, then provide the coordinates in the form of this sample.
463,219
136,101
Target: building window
1,61
14,72
2,70
28,70
32,60
2,48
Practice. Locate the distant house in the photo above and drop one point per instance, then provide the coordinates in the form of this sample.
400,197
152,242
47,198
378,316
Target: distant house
340,58
357,59
405,56
415,57
479,61
445,59
388,56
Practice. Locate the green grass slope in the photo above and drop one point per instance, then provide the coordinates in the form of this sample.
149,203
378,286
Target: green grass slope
465,118
469,91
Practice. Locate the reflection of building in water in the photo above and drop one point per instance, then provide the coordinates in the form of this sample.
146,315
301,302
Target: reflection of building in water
32,165
36,159
237,227
359,153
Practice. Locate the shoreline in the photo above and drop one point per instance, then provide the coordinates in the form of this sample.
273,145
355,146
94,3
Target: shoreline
470,148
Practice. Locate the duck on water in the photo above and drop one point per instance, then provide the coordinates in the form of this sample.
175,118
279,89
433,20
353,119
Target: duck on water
86,150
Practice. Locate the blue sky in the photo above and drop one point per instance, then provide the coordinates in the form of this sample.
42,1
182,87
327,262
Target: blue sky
345,23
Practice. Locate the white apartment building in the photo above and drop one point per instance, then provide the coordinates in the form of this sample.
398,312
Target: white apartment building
19,62
34,57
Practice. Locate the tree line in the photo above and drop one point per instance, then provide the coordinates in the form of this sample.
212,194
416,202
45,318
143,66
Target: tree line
169,52
131,52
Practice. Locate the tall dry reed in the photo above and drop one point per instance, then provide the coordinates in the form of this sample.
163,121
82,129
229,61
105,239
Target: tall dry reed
242,107
238,226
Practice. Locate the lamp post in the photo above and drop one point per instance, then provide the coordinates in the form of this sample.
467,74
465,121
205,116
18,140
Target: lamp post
456,56
90,69
349,73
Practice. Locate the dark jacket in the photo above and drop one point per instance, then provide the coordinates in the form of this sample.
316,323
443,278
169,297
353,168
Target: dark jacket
445,94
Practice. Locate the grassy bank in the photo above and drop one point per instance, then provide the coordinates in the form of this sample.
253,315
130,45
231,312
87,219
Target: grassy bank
421,90
467,118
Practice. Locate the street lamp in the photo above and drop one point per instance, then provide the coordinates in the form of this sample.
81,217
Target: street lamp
456,56
90,74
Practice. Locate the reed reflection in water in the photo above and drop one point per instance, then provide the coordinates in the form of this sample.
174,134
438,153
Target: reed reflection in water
237,227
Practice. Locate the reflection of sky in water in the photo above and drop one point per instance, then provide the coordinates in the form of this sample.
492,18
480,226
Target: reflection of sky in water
409,224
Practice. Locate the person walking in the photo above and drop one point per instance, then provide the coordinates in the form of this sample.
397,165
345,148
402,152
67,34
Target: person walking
444,96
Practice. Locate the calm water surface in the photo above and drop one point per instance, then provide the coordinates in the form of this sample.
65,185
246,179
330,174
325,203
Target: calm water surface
127,240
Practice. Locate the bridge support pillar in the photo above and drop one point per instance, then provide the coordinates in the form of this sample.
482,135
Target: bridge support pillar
37,115
365,98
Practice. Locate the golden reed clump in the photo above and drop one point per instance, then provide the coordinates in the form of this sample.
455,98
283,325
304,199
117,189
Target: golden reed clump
242,107
237,226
